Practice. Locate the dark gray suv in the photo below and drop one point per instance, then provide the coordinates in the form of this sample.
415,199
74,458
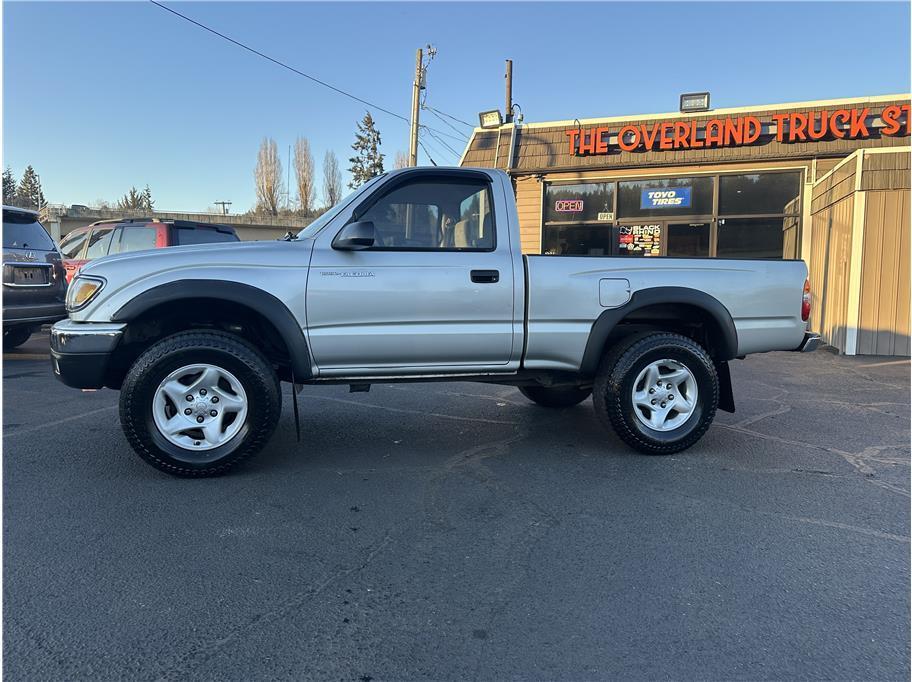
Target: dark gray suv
34,281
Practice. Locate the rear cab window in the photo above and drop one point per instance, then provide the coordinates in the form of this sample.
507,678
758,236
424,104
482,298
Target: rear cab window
23,231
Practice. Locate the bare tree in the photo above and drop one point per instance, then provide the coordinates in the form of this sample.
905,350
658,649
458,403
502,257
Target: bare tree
332,179
401,161
268,177
304,174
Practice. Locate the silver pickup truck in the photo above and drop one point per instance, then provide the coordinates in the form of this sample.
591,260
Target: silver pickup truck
417,276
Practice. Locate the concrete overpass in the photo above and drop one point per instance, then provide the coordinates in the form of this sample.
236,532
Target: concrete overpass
59,220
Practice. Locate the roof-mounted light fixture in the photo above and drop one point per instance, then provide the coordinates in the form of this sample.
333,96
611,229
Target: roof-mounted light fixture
490,119
694,101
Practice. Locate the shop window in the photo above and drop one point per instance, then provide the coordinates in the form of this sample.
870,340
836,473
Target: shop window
750,238
587,202
665,197
577,240
762,193
687,240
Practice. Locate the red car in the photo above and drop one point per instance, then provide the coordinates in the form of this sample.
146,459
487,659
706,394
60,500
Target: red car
108,237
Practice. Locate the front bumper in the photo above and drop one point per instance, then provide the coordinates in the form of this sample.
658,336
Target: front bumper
41,313
811,342
81,351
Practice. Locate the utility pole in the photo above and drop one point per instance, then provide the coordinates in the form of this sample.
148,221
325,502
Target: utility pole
225,206
508,112
416,105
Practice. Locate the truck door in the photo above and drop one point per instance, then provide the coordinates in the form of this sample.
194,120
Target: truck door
435,290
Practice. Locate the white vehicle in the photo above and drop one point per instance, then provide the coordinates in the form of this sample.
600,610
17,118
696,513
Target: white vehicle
417,276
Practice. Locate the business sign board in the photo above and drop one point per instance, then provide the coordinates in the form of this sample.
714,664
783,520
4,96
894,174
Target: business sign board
568,205
670,197
735,131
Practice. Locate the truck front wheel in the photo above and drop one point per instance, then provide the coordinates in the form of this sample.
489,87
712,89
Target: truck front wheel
562,396
659,392
197,403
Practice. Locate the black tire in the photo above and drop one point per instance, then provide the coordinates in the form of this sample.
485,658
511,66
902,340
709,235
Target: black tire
223,350
562,396
13,337
614,383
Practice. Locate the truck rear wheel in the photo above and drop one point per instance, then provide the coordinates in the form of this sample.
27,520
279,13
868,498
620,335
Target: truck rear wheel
659,392
562,396
198,403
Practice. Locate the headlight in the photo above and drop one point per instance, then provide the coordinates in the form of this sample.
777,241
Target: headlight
81,291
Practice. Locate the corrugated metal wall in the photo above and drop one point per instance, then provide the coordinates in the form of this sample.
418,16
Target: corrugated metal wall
884,312
831,237
862,223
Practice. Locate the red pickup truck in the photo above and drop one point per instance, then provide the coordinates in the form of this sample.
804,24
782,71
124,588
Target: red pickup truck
107,237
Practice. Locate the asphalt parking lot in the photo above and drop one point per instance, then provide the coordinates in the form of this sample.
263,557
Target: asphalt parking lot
452,531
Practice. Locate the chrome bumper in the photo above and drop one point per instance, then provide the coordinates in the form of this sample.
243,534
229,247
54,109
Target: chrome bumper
80,351
85,337
811,342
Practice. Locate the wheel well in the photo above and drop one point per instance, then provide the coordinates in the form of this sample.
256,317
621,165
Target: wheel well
688,320
185,314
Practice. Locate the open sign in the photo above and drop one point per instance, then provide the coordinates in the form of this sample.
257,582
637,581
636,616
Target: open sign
568,205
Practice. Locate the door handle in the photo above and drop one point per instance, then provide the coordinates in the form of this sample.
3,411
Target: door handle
485,276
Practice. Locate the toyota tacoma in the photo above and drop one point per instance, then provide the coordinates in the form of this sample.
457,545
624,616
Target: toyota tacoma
416,276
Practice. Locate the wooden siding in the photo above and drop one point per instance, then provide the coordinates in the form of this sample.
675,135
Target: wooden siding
831,239
885,171
481,151
529,207
883,327
839,184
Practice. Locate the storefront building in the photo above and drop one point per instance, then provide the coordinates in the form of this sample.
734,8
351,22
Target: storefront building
825,181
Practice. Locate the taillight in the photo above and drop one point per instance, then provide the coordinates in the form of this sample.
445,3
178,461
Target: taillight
806,301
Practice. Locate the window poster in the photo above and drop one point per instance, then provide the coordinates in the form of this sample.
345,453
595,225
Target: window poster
640,240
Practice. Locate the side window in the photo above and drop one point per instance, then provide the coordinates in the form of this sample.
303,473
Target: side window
72,244
99,242
136,239
444,214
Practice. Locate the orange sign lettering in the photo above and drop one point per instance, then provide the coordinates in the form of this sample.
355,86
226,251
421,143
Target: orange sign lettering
789,127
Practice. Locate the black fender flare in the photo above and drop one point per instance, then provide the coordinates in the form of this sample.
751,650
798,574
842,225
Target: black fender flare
609,319
234,292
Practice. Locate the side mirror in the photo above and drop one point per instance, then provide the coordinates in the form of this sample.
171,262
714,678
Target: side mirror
355,236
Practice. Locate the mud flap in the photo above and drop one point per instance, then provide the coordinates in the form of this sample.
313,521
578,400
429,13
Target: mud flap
726,395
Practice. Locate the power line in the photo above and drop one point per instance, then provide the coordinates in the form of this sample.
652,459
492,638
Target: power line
283,64
421,144
440,150
441,147
443,113
445,122
443,143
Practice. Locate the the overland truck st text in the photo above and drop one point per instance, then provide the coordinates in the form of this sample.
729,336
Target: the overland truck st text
417,276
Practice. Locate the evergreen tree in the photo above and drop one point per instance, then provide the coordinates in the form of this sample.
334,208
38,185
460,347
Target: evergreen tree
367,162
29,194
9,187
147,201
131,201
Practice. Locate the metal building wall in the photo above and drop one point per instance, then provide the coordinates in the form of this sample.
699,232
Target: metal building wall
860,254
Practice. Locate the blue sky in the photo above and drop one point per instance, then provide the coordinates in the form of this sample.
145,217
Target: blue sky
101,96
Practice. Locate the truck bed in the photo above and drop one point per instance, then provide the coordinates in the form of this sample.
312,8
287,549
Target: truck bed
566,294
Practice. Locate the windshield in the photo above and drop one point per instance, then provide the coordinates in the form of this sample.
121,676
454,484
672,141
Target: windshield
22,231
317,225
